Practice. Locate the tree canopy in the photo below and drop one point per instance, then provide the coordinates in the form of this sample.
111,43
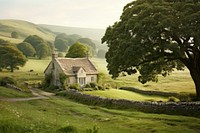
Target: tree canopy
14,34
27,49
61,44
37,43
155,37
11,58
77,50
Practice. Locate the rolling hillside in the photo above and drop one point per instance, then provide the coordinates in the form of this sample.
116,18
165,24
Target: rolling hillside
24,29
94,34
47,32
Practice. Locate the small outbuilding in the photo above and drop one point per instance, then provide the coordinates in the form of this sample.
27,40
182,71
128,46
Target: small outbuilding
78,70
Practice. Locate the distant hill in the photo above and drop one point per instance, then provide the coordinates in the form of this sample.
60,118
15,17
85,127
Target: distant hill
94,34
24,29
47,32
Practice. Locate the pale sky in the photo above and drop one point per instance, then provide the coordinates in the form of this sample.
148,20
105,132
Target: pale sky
74,13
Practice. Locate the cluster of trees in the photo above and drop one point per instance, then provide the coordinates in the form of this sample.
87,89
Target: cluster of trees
63,42
34,45
155,37
10,57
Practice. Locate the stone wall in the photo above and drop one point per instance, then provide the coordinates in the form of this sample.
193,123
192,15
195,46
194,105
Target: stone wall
13,87
173,108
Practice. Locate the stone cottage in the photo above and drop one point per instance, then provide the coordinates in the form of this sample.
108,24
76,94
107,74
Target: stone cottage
78,70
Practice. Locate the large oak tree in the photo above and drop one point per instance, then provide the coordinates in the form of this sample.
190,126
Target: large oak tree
155,37
11,58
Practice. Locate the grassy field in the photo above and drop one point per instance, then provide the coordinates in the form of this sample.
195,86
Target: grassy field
54,114
9,93
122,94
178,81
24,29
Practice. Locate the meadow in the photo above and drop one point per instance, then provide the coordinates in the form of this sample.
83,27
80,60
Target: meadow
177,81
58,114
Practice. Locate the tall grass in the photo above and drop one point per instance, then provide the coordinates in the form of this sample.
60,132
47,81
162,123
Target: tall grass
58,114
177,81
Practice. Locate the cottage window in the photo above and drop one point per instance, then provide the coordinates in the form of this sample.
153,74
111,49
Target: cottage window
92,79
82,81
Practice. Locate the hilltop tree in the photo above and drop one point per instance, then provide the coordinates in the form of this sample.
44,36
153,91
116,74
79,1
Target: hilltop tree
34,40
61,44
155,37
77,50
88,42
14,34
71,39
42,51
11,58
26,48
37,43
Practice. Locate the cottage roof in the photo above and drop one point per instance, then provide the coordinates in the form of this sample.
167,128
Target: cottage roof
69,65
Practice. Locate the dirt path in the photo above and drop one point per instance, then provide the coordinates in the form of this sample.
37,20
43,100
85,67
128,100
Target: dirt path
39,94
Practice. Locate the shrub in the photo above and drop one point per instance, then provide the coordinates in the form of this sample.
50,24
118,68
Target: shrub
87,86
171,99
184,97
75,86
94,130
47,81
93,85
68,129
7,80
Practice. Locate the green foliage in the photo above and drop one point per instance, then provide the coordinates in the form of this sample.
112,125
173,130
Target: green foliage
63,79
11,58
172,99
101,53
60,54
77,50
88,42
61,44
75,86
70,39
155,37
95,129
7,80
43,48
47,81
14,34
3,42
27,49
68,129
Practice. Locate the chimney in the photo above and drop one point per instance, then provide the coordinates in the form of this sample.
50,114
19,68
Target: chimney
54,54
88,55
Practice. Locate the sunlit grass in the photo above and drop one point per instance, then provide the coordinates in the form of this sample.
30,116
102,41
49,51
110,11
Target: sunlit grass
177,81
11,93
123,94
50,115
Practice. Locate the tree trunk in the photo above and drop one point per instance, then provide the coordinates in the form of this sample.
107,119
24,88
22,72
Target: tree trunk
195,74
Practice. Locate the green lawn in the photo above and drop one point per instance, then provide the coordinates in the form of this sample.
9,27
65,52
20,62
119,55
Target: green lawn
123,94
178,81
55,113
11,93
